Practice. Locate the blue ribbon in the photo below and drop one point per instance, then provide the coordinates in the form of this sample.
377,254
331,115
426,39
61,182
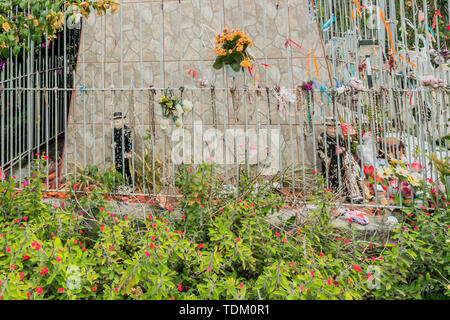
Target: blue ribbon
431,31
337,82
82,93
327,24
325,90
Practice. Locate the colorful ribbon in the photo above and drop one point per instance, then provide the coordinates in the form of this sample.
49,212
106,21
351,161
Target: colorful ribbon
194,73
327,24
315,63
357,9
437,14
288,43
391,42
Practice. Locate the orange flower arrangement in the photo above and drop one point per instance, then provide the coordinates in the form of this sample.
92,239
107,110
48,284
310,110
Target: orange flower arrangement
231,48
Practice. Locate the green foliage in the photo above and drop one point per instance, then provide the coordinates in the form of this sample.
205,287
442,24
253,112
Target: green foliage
24,20
220,245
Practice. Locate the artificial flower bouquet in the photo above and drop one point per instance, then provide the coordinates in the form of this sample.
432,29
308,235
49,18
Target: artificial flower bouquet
173,109
232,50
401,179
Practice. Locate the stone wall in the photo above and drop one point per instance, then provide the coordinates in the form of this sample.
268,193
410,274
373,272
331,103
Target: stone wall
155,43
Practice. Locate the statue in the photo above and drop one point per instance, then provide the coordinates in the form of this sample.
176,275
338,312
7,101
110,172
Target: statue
122,147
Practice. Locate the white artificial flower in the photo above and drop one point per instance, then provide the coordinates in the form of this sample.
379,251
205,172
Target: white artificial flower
401,171
287,95
164,123
413,180
385,173
187,105
178,121
77,17
179,110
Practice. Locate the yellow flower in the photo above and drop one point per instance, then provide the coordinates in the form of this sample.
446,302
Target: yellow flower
35,22
114,7
3,45
245,63
230,51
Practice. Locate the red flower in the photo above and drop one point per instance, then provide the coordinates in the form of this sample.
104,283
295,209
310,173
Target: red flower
61,290
277,234
25,257
43,271
329,281
312,272
94,289
45,157
147,254
16,221
180,288
200,245
152,245
39,290
8,250
321,255
237,239
356,268
25,218
241,285
102,228
21,275
111,248
12,267
58,259
285,240
369,171
116,289
28,295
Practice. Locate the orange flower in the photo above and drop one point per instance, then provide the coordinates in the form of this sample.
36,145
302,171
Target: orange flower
6,26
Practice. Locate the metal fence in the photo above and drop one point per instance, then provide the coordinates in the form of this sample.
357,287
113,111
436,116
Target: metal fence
269,133
251,130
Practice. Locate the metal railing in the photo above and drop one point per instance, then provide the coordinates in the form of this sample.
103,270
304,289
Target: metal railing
251,130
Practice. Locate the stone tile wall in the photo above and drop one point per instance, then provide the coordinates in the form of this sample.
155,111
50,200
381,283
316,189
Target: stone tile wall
155,43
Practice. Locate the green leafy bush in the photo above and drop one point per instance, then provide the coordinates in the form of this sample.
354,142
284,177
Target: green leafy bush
218,245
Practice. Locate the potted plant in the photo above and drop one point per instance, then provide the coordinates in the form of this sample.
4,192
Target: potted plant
232,50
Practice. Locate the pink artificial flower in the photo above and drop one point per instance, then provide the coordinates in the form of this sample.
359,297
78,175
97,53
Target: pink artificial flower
416,167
